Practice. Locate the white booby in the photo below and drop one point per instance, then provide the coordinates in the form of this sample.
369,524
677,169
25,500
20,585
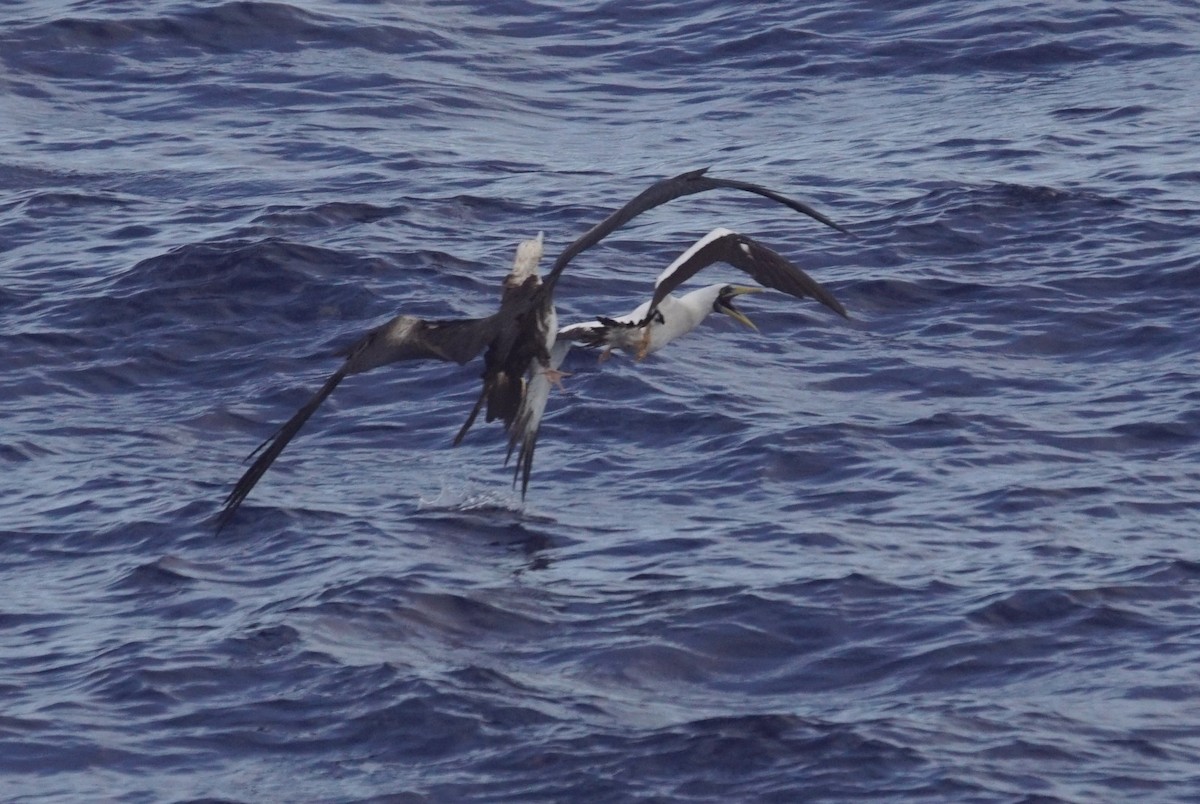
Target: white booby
666,317
517,340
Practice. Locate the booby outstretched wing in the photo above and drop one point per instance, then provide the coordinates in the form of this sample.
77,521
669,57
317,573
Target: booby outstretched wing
659,193
768,268
405,337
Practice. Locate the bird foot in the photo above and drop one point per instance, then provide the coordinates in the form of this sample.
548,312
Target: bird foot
556,377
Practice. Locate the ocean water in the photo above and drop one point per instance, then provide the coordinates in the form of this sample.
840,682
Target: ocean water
943,551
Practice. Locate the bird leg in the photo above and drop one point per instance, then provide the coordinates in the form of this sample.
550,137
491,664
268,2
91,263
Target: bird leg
655,317
644,344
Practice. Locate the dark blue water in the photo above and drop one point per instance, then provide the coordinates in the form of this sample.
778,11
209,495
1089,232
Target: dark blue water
944,551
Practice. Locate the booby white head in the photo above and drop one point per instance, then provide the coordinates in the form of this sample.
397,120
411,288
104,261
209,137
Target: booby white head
525,263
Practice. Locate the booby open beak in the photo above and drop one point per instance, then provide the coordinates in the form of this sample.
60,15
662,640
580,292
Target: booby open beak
725,304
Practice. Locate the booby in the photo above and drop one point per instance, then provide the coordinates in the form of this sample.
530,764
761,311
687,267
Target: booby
517,340
639,333
405,337
664,318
